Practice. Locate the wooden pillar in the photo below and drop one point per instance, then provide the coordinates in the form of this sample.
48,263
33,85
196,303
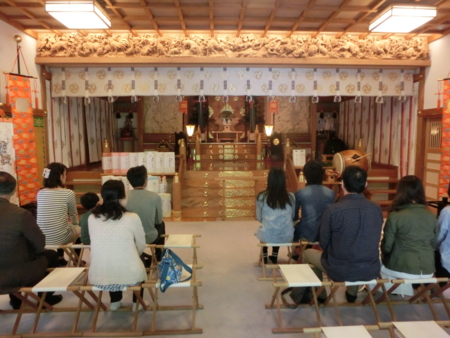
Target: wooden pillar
141,122
420,149
197,146
176,190
258,147
287,150
182,149
312,128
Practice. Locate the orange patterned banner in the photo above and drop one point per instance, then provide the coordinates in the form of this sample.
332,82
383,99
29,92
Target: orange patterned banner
24,140
444,179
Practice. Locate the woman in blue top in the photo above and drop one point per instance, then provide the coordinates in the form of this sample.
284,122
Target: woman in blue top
275,209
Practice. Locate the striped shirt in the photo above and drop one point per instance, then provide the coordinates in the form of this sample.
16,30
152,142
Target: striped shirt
54,207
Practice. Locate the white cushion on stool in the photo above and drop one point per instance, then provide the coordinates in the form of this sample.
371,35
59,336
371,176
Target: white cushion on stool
420,329
346,332
179,241
58,280
299,275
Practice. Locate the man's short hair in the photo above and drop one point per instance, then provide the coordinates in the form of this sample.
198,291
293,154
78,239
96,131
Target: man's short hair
7,183
137,176
89,200
313,172
354,179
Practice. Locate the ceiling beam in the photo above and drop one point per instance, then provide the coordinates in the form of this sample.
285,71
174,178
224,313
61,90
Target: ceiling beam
435,22
120,17
301,17
271,17
181,17
25,11
374,7
18,26
150,17
211,17
331,17
256,5
435,37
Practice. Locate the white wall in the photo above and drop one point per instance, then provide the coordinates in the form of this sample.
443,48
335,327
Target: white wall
440,68
8,54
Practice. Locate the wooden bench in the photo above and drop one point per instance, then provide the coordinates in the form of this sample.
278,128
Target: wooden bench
261,263
153,288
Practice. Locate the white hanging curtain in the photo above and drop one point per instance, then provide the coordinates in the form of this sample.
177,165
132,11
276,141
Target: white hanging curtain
185,81
387,130
66,132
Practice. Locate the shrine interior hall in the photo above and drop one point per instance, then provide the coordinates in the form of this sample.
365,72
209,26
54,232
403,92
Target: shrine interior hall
214,94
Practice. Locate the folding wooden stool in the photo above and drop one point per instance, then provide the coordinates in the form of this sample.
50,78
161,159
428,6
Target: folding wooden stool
261,263
426,285
69,250
419,330
376,284
100,305
296,275
302,248
174,241
153,287
58,280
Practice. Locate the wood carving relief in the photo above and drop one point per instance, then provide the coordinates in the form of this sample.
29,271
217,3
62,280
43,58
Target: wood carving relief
245,46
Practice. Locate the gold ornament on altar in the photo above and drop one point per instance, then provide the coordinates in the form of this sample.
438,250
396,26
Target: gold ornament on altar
127,130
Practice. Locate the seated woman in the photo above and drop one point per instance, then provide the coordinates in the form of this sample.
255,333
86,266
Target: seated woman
409,236
55,205
117,241
275,208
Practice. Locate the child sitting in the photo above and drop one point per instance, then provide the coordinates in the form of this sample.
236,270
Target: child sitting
89,200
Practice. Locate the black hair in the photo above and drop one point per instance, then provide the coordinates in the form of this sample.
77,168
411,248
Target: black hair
409,190
354,179
276,194
89,200
54,178
313,172
137,176
112,192
7,183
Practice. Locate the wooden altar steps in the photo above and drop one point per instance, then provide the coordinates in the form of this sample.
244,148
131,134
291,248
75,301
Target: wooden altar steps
382,184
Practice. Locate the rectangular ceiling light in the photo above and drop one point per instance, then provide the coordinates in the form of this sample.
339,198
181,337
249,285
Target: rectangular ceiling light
402,18
78,14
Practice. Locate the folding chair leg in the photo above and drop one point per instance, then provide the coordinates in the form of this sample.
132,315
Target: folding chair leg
139,300
97,308
38,313
77,316
374,306
278,303
316,304
155,308
19,315
338,313
194,306
388,303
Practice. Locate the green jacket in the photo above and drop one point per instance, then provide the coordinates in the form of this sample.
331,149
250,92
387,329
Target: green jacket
408,242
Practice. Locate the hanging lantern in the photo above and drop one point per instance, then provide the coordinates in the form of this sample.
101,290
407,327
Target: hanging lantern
273,107
183,107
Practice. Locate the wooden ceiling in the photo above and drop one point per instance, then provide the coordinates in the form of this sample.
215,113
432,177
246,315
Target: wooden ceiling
263,17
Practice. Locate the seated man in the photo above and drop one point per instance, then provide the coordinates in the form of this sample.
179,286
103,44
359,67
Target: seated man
23,260
148,205
313,200
350,233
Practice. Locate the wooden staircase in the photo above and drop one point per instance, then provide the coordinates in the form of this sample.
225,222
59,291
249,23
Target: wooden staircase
228,185
382,184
